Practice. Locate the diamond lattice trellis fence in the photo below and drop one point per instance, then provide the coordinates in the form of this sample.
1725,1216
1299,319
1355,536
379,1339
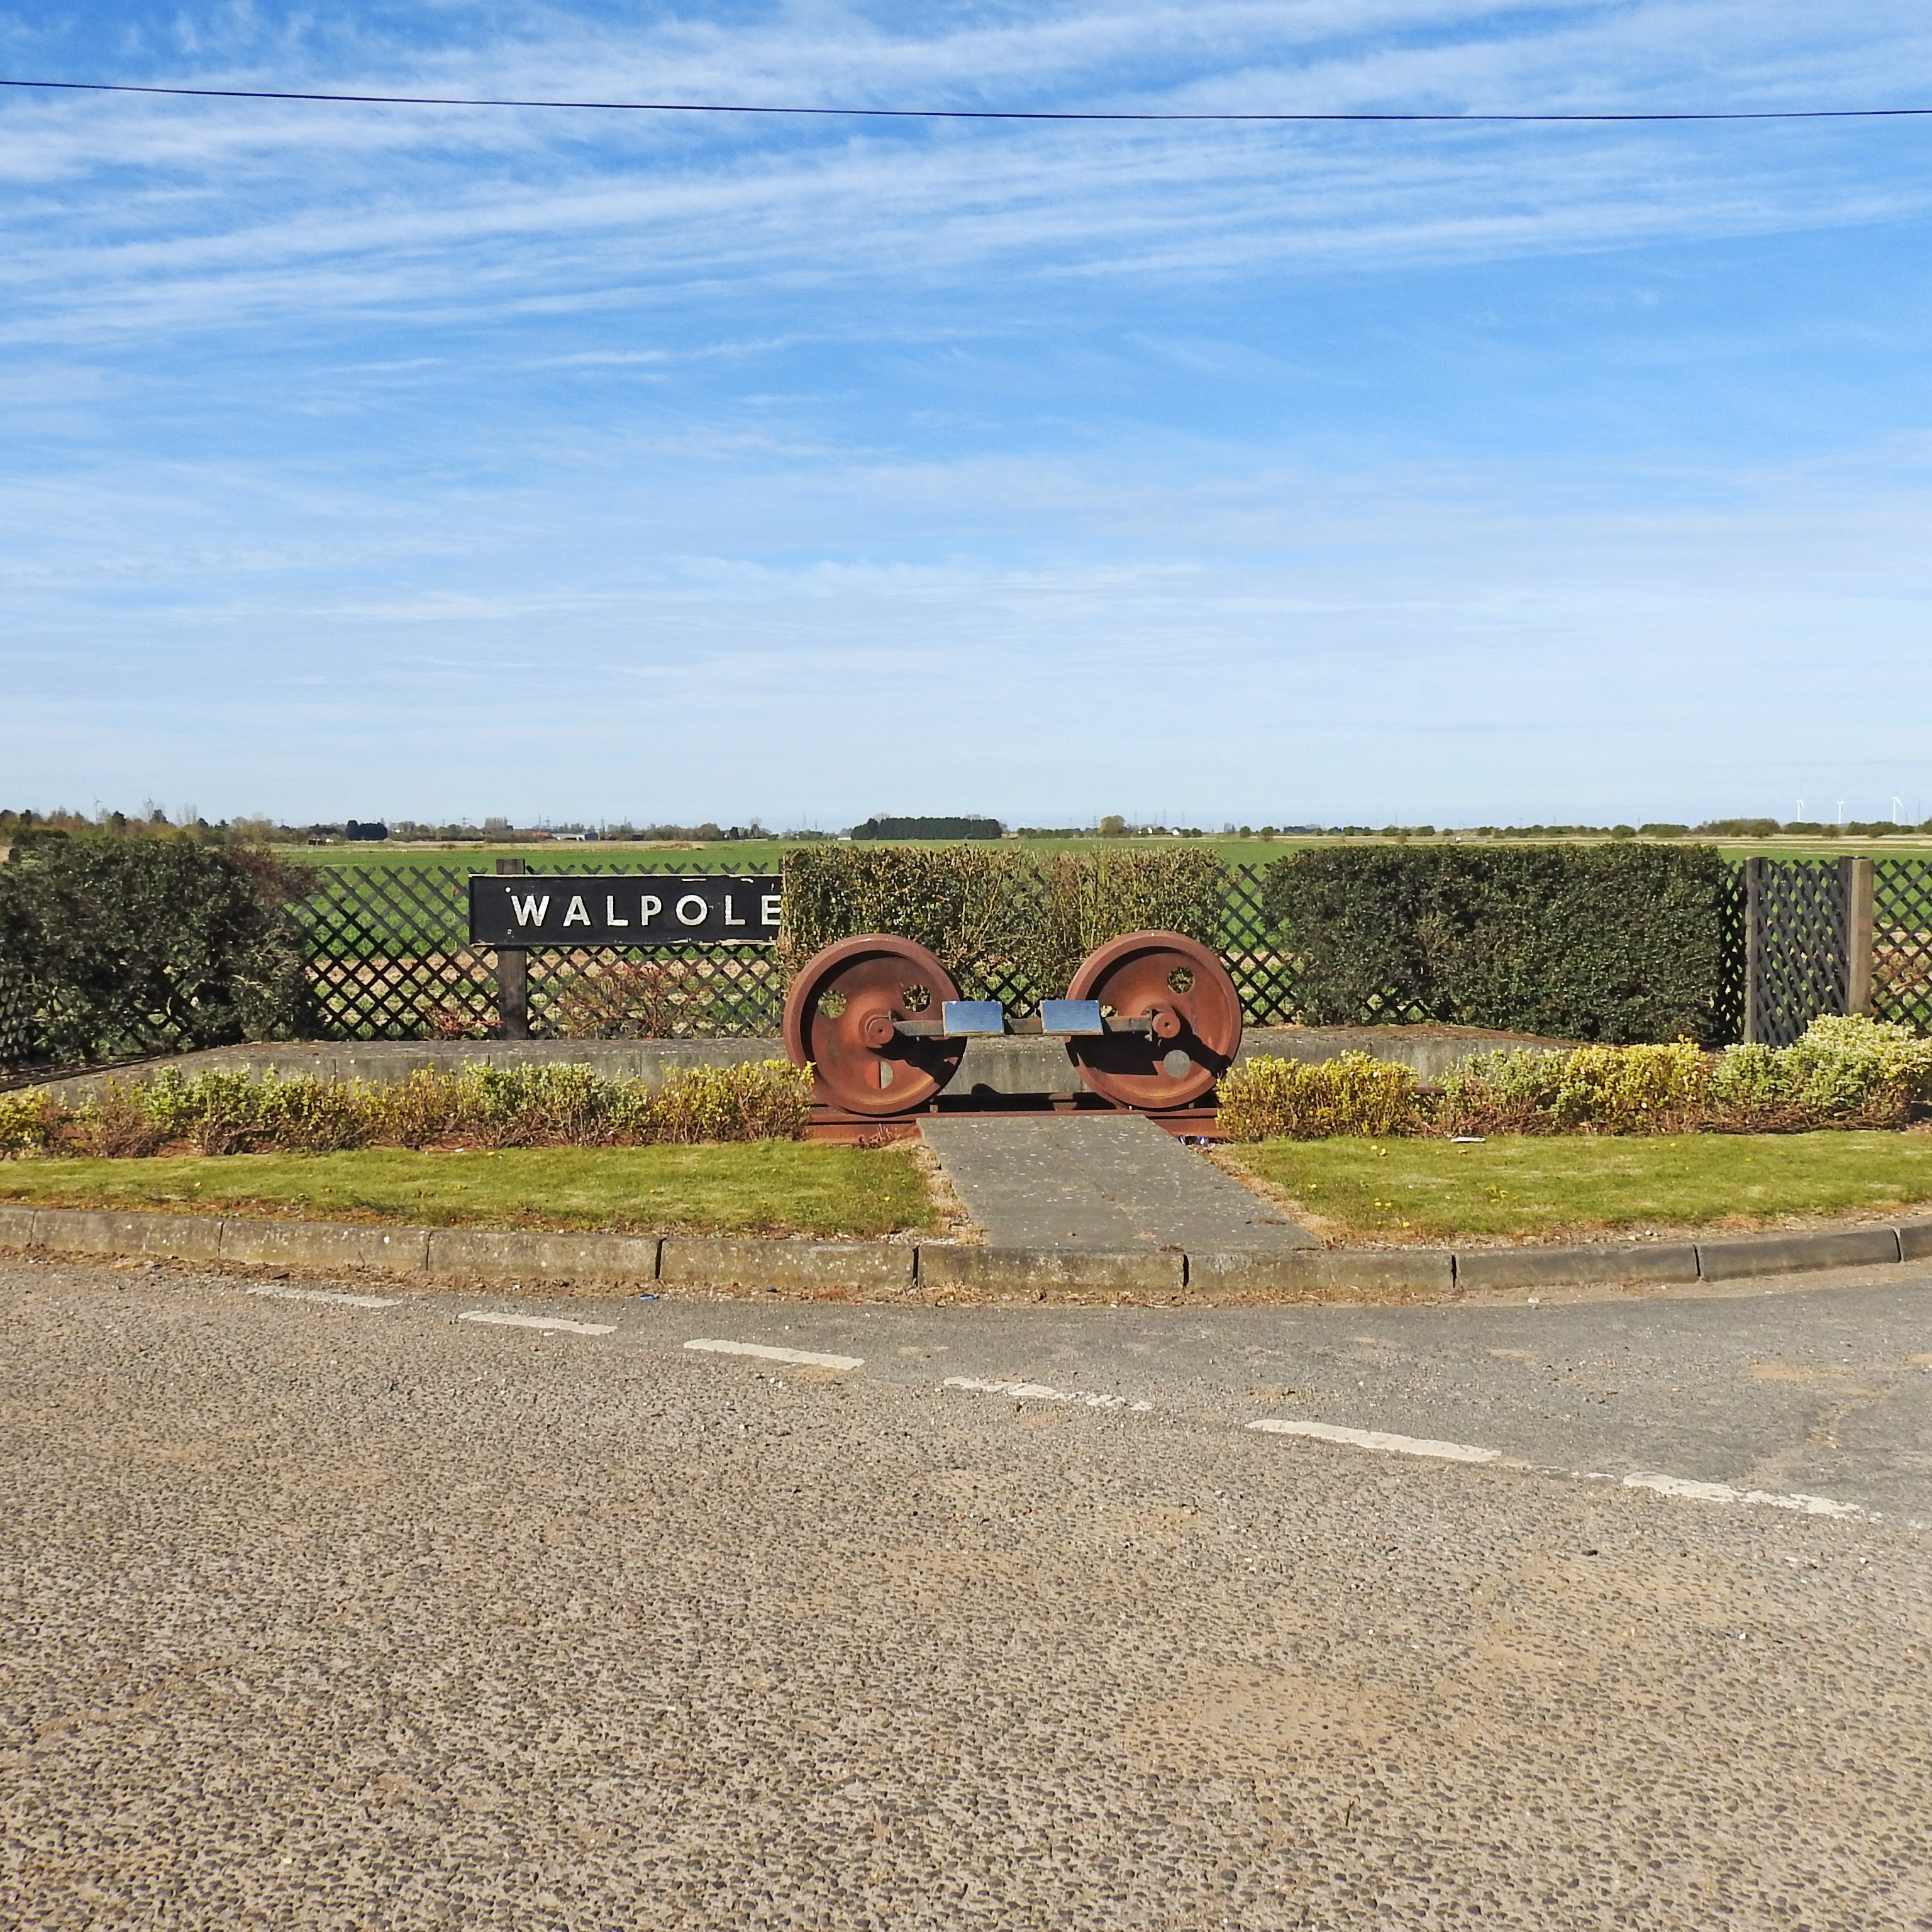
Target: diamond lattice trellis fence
389,959
20,1039
1798,957
1901,976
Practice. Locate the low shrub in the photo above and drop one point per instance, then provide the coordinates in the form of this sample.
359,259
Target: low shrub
117,1127
224,1111
30,1122
1846,1062
1622,1090
1846,1071
763,1100
539,1106
1268,1099
309,1116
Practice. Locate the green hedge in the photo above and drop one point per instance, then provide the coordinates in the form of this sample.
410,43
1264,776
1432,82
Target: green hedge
119,946
1007,924
1612,943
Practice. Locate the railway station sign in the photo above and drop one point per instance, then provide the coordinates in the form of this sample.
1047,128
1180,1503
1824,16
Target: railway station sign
558,909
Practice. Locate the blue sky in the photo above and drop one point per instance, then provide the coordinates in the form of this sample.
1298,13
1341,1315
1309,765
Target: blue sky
412,462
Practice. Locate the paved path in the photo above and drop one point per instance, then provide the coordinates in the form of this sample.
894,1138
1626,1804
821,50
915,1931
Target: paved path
361,1612
1109,1183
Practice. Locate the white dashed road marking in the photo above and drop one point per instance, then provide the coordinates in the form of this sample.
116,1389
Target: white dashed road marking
1375,1438
548,1323
1722,1492
326,1294
804,1358
1039,1392
1465,1452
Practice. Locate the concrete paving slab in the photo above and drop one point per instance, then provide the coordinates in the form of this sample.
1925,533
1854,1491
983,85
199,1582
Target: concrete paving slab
1106,1183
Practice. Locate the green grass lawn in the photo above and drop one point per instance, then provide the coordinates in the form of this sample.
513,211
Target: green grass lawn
767,1187
1429,1190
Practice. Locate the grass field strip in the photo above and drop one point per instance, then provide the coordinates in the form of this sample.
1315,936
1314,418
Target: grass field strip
1680,1487
328,1295
804,1358
1039,1392
547,1324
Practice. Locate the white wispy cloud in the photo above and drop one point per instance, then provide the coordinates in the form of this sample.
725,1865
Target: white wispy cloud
550,433
132,217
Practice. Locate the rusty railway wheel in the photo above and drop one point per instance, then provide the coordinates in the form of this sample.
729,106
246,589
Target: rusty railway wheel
1184,991
838,1016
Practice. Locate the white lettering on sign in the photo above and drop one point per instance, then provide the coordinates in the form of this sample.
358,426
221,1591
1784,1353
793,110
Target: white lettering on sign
577,916
610,912
649,910
530,911
769,915
728,920
697,918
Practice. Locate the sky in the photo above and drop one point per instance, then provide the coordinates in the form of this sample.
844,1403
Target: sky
439,462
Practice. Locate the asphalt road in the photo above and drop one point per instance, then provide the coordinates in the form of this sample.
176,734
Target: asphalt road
318,1614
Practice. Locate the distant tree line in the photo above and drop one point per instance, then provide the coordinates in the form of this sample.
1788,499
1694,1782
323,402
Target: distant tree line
897,830
22,828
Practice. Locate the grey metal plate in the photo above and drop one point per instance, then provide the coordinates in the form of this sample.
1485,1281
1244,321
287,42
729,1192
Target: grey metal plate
973,1016
1071,1016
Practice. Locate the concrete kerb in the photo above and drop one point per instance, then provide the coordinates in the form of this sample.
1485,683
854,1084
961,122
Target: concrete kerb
180,1237
882,1267
508,1257
1501,1271
1744,1255
1039,1270
320,1244
486,1254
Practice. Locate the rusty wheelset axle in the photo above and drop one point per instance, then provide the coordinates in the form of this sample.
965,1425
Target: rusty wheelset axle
1151,1021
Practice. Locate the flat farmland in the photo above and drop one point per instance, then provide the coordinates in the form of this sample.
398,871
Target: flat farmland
765,855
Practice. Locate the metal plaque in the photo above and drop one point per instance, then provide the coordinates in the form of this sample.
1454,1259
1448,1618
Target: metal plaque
552,910
973,1016
1071,1016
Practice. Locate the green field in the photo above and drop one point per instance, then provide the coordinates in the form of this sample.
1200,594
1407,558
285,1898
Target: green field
766,1187
764,855
1434,1189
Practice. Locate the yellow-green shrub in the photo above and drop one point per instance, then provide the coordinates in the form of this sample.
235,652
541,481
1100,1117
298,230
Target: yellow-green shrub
1628,1090
31,1121
1846,1071
1847,1063
761,1100
1269,1098
226,1110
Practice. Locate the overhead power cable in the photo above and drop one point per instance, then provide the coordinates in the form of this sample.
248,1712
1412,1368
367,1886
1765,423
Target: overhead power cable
962,113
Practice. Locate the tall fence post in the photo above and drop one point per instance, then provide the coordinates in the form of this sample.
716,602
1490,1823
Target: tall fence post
1859,936
513,979
1754,949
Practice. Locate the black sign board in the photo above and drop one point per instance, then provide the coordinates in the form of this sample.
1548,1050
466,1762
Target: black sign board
555,909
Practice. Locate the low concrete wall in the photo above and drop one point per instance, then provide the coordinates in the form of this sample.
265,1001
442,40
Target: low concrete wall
992,1068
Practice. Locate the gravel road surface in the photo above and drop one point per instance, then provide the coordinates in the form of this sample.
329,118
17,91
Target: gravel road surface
315,1613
